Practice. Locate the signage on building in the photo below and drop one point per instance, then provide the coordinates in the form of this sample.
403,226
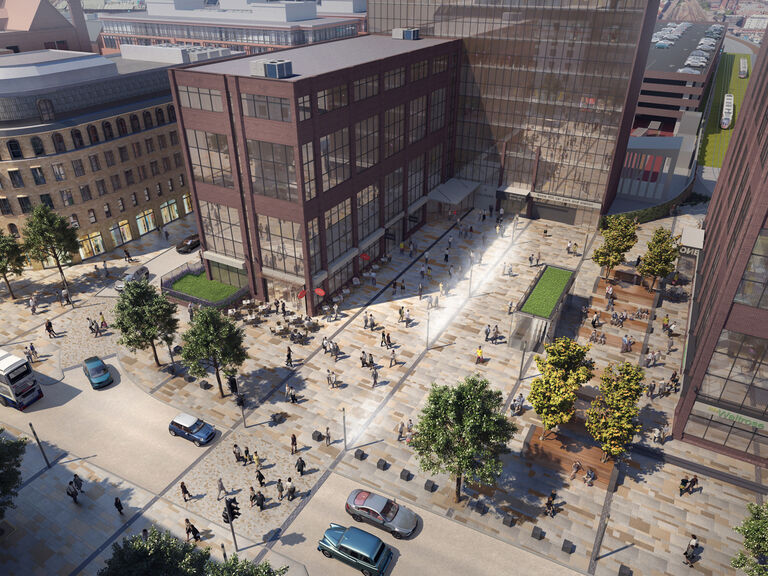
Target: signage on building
738,418
688,251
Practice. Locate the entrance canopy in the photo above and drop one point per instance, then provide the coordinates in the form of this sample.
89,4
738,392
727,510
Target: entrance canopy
454,191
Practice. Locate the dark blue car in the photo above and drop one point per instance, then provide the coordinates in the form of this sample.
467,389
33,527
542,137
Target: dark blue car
97,372
357,548
191,428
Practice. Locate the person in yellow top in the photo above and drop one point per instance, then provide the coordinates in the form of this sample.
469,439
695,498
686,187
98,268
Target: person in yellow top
479,353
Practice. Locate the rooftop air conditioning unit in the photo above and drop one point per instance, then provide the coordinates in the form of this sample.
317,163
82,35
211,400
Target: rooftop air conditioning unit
272,68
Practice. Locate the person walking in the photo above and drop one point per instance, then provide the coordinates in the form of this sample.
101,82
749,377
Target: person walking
33,352
479,355
371,322
78,482
400,430
445,256
260,476
191,530
289,358
280,488
294,400
191,311
690,551
383,339
127,255
363,358
260,501
692,483
49,329
327,436
294,444
238,454
392,358
487,332
118,505
28,354
102,321
220,486
325,345
389,341
72,492
664,433
375,376
300,466
371,363
290,489
650,389
684,485
185,492
247,456
252,496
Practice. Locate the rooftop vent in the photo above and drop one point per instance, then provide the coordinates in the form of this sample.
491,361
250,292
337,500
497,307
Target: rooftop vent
272,68
405,33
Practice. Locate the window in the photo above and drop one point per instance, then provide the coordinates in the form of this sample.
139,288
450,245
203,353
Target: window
95,164
393,194
394,78
159,188
145,221
73,221
435,166
417,118
281,245
394,130
91,216
109,157
305,107
37,146
146,194
199,99
16,180
122,151
171,113
37,175
181,180
162,142
85,192
169,211
415,179
338,229
153,168
437,104
122,129
5,207
439,64
159,116
367,211
209,157
367,142
14,149
334,158
24,204
45,109
93,134
106,127
101,187
141,172
120,205
77,138
58,143
58,172
266,107
121,233
365,87
66,197
147,117
134,201
46,200
313,240
308,170
78,168
174,137
186,201
170,184
115,180
273,170
419,70
178,162
107,211
129,179
166,163
331,98
137,149
150,145
135,124
221,228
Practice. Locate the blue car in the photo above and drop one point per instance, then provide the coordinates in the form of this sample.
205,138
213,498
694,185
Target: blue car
356,547
191,428
97,372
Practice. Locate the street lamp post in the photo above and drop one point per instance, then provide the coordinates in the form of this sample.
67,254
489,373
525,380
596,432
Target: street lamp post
39,445
428,328
344,425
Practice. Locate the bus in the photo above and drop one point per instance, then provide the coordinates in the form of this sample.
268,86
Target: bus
727,117
743,68
18,385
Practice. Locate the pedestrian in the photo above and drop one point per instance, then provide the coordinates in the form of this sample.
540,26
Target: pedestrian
78,482
649,359
294,444
400,430
127,255
290,489
479,355
327,436
260,501
389,341
656,357
119,505
450,241
495,334
106,269
684,485
410,249
103,322
96,329
674,379
49,329
692,484
650,389
333,379
191,530
167,236
665,323
664,433
487,332
252,496
145,534
422,271
28,354
191,311
530,260
33,352
690,551
670,345
421,293
247,456
550,505
371,322
568,247
375,376
72,492
442,289
325,344
294,400
282,308
335,310
392,358
383,339
371,363
65,296
656,434
407,317
363,359
426,257
184,492
260,476
445,256
280,488
300,465
220,485
289,358
287,391
238,454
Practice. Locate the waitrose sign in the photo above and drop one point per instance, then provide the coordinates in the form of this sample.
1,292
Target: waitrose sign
738,418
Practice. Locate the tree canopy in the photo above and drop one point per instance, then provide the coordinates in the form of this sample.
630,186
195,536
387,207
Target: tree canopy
11,454
619,236
11,259
144,316
754,529
463,431
49,235
659,260
214,340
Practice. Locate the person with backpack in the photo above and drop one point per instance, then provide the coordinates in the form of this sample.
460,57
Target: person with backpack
192,531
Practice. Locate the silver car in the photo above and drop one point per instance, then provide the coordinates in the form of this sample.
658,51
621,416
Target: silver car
365,506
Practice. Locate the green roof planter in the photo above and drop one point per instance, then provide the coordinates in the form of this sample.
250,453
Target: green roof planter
547,291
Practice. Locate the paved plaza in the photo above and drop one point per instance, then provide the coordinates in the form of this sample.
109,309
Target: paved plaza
644,524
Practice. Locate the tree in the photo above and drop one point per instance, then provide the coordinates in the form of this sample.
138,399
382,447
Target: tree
11,259
462,431
215,340
612,418
553,394
659,260
49,235
11,453
236,567
144,317
754,529
619,236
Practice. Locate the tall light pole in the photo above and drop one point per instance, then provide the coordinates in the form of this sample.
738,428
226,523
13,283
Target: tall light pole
344,425
39,445
428,328
522,361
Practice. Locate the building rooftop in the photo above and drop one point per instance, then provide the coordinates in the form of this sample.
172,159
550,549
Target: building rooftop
318,59
673,58
224,19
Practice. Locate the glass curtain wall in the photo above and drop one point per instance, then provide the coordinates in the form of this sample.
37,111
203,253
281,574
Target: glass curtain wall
221,227
281,245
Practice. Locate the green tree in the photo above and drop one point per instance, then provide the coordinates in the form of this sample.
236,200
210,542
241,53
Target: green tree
11,259
49,235
612,418
462,431
144,317
236,567
564,370
619,236
754,529
659,260
11,453
212,340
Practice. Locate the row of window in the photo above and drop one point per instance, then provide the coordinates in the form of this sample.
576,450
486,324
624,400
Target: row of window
15,151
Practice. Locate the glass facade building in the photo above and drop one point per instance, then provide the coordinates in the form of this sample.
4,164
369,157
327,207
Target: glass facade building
545,100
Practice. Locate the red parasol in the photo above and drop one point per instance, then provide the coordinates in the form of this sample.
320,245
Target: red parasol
302,293
319,291
364,256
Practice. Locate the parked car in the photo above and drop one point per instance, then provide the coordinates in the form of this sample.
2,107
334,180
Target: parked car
97,372
192,428
356,547
131,275
365,506
189,244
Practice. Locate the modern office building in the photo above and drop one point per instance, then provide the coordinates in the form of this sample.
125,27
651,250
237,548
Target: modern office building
94,138
27,25
724,403
251,26
303,179
547,94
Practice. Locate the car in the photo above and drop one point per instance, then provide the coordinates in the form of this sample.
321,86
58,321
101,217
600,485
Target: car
192,428
189,244
357,548
97,372
365,506
133,274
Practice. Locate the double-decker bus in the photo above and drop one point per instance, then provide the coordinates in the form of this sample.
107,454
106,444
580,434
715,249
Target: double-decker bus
727,117
743,68
18,384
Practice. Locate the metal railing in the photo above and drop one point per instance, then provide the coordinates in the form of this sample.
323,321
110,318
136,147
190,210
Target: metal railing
167,281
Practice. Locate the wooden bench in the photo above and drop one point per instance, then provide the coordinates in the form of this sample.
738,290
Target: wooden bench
605,317
627,293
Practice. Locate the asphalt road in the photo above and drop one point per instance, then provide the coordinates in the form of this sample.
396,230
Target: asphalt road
120,428
440,545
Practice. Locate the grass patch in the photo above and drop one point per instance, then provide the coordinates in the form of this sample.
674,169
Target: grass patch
544,296
714,142
199,286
